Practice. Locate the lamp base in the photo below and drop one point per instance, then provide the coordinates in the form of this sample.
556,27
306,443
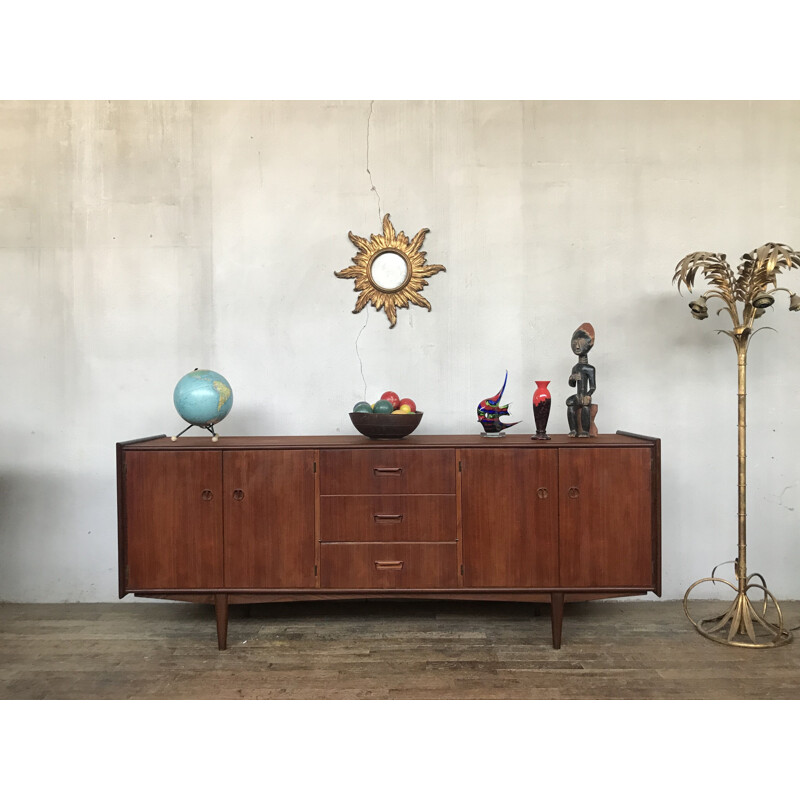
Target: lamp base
741,624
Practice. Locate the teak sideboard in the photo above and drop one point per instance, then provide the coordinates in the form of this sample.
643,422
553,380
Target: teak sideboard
264,519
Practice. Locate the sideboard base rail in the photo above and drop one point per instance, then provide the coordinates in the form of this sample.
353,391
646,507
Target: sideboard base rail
222,600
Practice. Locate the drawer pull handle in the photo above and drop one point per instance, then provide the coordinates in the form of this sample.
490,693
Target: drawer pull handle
389,565
207,494
238,494
388,470
543,493
573,492
388,517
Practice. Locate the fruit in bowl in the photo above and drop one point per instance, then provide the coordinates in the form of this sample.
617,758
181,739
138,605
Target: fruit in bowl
388,418
393,398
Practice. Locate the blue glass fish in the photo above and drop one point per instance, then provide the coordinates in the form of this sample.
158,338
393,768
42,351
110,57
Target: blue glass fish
489,412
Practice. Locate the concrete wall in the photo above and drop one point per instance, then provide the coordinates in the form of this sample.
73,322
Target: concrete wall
141,240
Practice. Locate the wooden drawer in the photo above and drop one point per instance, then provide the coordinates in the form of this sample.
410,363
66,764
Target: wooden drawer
388,518
389,566
387,471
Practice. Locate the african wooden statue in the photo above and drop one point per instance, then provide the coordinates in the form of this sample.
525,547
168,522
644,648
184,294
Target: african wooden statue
582,378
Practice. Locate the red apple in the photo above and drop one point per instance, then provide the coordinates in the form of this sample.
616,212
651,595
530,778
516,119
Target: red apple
392,398
407,401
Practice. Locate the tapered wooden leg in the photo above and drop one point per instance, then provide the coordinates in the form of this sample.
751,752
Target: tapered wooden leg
221,608
556,617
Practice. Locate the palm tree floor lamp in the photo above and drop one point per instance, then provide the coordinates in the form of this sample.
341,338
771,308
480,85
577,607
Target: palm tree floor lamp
746,295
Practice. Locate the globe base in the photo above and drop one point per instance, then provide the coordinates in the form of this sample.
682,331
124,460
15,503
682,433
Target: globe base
209,428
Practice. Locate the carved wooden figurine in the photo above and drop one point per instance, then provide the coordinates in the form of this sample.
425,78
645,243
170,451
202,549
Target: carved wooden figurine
580,410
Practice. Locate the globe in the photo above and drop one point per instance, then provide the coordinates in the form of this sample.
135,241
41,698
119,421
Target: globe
203,398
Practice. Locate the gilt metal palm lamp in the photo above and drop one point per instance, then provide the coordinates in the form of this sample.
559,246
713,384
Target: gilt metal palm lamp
745,294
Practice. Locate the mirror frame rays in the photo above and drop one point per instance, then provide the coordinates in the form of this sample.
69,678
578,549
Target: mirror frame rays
370,290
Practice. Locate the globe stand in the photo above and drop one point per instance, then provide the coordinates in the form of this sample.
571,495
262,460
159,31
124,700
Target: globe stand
209,428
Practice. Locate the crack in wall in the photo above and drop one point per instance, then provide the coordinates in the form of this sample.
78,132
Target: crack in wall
373,188
780,498
369,172
358,355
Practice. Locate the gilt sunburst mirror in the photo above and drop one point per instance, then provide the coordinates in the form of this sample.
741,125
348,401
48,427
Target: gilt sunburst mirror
389,270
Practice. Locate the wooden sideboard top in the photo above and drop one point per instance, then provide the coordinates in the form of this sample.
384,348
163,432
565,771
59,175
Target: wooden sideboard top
163,442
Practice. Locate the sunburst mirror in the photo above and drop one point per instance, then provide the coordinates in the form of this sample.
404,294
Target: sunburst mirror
389,270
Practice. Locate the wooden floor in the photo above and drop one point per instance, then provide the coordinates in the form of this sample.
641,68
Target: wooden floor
380,650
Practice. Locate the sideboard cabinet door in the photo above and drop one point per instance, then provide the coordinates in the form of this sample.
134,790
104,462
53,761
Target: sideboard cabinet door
510,517
605,504
173,520
269,519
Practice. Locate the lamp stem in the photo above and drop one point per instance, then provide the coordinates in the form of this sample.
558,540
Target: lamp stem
741,573
742,620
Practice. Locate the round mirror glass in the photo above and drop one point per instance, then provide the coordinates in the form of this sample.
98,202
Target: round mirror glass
389,271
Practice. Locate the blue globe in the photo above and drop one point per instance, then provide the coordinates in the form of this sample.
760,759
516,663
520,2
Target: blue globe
203,397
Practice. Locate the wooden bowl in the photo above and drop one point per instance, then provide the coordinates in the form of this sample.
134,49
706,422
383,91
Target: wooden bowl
385,426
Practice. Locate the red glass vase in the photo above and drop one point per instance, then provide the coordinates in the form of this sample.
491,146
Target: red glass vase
541,409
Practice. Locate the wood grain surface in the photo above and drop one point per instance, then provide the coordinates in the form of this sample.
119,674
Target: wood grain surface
605,511
388,518
393,565
269,519
387,471
510,517
380,650
173,534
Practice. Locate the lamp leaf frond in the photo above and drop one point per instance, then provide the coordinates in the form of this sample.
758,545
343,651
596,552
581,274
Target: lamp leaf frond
762,328
760,268
714,267
728,333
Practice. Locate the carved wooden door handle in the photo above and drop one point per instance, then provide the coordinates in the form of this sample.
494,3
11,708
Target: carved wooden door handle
207,494
573,492
238,494
543,493
389,565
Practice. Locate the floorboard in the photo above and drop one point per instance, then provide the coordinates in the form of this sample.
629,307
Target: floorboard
380,650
